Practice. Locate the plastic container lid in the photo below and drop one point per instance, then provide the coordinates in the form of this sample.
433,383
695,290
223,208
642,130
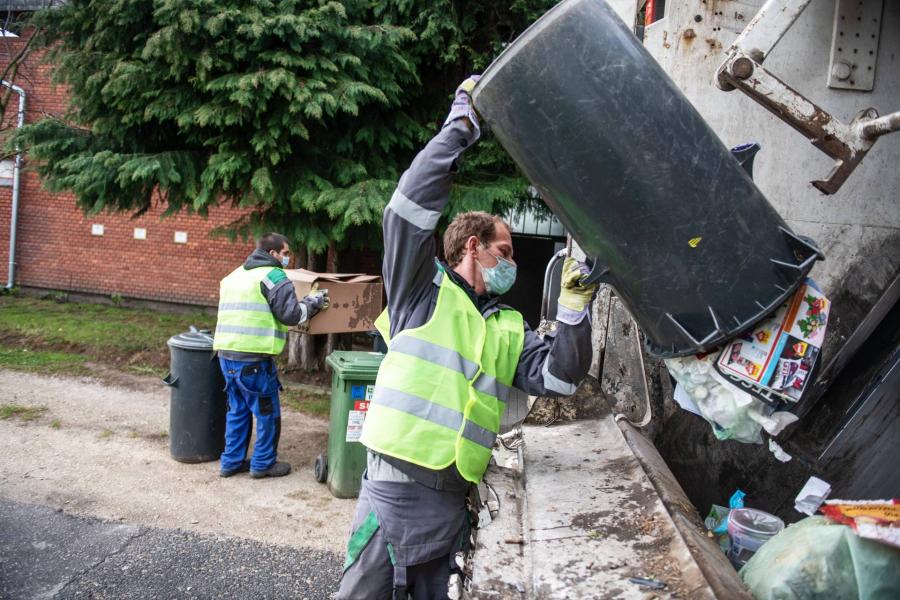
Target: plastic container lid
192,340
354,365
755,522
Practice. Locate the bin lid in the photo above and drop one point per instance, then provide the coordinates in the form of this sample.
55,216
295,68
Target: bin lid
192,340
755,521
355,365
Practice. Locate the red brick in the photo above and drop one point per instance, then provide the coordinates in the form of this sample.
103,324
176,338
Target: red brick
55,248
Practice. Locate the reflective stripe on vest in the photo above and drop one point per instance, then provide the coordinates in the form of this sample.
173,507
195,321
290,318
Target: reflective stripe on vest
258,331
452,360
435,413
443,386
257,306
245,321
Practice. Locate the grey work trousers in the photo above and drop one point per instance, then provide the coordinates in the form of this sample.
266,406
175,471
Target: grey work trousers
373,574
371,577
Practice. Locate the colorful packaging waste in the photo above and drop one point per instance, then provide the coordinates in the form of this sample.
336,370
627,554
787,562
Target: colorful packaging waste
774,360
873,519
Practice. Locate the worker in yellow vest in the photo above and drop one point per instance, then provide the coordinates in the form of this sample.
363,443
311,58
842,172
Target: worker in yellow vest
454,353
257,304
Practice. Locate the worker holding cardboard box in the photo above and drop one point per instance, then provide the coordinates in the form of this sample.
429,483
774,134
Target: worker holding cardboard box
355,300
257,304
454,353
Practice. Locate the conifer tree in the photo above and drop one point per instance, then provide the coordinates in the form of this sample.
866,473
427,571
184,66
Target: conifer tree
304,112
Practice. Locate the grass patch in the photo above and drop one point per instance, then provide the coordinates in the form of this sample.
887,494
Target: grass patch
305,401
106,433
112,335
43,361
53,336
23,413
55,424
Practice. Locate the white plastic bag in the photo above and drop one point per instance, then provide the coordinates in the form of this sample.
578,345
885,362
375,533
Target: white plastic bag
733,413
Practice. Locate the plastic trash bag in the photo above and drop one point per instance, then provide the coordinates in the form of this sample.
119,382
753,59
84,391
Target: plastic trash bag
816,559
733,413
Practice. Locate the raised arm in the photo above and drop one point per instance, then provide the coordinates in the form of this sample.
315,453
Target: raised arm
413,212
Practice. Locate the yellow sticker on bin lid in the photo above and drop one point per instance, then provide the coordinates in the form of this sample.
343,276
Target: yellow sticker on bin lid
694,242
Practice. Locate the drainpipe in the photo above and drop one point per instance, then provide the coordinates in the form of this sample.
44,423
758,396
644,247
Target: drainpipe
14,211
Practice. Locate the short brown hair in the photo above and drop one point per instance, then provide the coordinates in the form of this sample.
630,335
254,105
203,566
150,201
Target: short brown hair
478,223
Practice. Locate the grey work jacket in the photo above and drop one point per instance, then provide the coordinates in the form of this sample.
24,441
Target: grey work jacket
547,367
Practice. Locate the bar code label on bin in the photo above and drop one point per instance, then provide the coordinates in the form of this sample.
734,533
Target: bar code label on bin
355,420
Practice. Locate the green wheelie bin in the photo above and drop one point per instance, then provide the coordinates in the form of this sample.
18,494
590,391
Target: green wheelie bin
352,384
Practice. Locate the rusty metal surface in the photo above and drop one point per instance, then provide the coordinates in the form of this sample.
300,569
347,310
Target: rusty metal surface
499,567
742,69
579,516
842,142
716,568
768,26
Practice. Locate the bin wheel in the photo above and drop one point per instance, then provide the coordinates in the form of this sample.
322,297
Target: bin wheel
321,468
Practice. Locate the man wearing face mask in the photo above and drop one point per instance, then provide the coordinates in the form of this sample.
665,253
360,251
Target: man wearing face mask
257,304
454,352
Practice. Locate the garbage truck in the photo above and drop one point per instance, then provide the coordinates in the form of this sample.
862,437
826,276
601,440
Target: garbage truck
621,114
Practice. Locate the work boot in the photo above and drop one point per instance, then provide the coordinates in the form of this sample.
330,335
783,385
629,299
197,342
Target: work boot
278,469
242,468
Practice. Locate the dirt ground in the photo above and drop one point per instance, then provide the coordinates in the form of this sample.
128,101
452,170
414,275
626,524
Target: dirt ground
102,450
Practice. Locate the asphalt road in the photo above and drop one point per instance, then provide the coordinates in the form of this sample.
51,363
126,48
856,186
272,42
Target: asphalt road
46,553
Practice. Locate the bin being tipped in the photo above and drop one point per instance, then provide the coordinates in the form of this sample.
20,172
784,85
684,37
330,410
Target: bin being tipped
674,223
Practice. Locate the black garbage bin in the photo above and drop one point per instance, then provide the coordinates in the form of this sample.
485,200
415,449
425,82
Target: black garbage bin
198,405
692,247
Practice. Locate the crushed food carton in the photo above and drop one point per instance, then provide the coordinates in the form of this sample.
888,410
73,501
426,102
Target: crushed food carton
774,360
873,519
355,300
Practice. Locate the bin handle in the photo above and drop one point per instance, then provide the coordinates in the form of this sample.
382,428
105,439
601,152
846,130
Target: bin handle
170,381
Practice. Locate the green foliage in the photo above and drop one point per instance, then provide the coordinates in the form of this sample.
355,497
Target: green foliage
305,112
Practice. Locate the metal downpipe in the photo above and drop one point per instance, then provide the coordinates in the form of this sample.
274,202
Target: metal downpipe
14,209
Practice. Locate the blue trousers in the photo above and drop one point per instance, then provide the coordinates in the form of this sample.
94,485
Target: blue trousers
252,389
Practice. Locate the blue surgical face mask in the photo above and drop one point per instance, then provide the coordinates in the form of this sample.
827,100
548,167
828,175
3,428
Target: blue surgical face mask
499,278
285,260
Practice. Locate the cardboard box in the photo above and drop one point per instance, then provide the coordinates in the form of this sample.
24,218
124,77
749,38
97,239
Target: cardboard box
356,300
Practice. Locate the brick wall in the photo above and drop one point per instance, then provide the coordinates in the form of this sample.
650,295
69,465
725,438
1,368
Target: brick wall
55,247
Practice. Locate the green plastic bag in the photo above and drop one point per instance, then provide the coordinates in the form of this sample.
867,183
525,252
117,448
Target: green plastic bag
816,558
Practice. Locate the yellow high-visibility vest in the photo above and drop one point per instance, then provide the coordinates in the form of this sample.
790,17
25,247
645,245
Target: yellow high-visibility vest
442,387
245,321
